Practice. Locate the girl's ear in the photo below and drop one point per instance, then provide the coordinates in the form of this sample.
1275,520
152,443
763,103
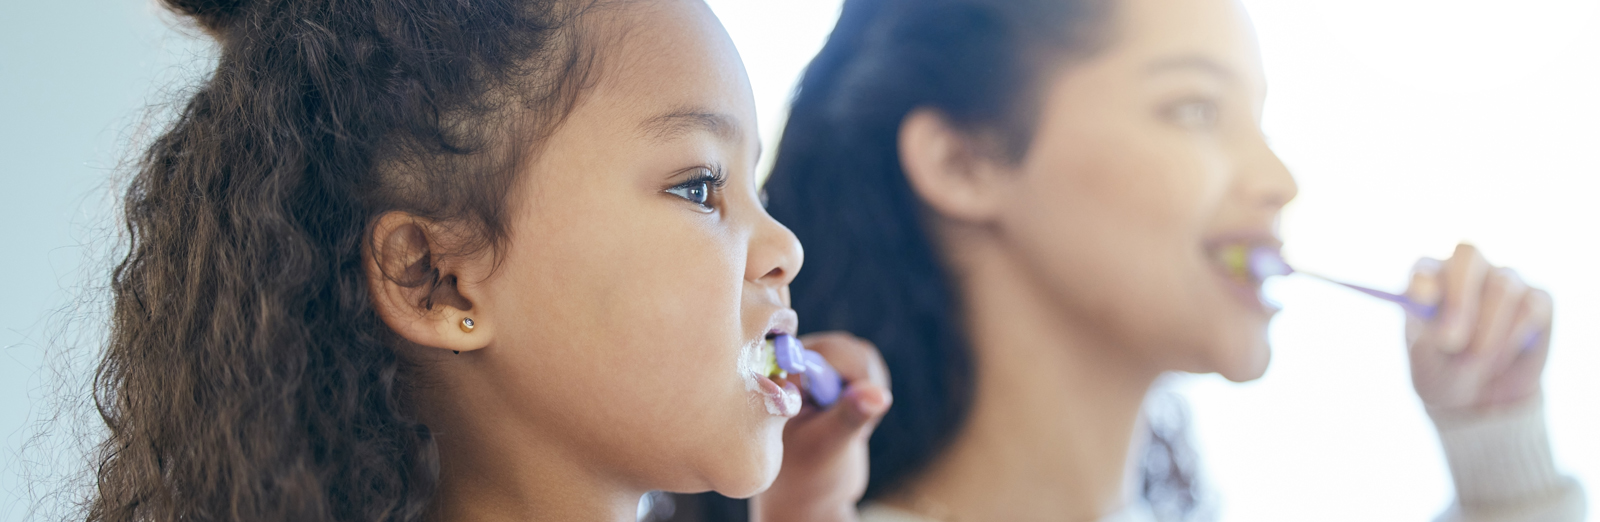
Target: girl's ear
950,169
418,292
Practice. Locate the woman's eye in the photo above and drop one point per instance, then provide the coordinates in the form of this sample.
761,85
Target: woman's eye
1194,114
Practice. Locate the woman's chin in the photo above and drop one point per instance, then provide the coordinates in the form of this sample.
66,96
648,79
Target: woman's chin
1247,364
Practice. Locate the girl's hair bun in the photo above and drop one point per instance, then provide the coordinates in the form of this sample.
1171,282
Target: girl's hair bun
212,15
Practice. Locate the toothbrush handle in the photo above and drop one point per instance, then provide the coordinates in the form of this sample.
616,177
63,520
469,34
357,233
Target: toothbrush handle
822,381
1425,312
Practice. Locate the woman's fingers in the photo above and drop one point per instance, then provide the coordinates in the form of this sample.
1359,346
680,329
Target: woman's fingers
1464,275
1534,318
1503,292
1488,344
1426,288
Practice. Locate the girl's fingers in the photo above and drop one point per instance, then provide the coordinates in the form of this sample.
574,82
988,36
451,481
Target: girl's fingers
1464,275
854,358
1503,292
865,399
857,412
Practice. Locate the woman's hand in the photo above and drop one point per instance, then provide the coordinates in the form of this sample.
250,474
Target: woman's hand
825,451
1486,347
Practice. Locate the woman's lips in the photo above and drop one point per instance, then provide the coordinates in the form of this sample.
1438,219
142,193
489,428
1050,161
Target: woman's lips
1243,287
781,400
1246,294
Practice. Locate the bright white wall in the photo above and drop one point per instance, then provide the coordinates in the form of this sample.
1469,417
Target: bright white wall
1410,125
776,38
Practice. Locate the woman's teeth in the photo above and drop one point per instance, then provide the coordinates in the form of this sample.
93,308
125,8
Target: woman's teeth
1235,259
1251,264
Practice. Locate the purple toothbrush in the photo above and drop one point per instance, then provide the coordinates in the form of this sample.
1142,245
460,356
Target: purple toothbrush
822,382
1263,262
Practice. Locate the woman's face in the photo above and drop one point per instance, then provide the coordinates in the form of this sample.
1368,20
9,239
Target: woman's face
642,273
1147,157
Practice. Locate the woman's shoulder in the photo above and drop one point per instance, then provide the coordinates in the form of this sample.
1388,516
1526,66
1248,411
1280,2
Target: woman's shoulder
876,512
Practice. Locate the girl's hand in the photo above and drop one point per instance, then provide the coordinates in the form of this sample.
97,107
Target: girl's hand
825,451
1486,347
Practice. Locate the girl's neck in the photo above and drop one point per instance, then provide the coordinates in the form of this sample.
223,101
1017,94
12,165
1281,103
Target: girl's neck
479,483
1055,425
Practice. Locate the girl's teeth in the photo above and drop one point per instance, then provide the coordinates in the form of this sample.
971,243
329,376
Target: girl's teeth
770,366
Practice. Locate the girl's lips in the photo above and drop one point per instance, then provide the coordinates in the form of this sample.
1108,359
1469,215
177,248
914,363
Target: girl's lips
781,401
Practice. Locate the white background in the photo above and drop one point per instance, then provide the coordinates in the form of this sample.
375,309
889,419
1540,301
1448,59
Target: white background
1410,125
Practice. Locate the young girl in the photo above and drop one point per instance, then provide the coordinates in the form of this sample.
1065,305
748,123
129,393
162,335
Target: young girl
489,260
1031,202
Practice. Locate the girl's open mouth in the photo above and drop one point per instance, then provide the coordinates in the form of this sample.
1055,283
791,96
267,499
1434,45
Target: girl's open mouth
782,397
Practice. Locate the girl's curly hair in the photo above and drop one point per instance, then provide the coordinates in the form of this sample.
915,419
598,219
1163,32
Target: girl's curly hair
247,376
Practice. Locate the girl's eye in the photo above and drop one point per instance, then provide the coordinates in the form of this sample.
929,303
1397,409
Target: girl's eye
697,190
1193,114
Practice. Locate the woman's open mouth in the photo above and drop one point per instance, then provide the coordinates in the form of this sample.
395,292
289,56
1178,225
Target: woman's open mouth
1238,260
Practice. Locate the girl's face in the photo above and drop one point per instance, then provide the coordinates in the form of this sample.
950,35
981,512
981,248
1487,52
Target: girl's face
641,276
1147,157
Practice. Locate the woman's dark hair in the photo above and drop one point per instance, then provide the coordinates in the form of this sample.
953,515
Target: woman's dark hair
871,267
247,375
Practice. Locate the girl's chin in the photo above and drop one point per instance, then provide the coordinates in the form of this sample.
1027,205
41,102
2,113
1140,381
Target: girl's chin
748,481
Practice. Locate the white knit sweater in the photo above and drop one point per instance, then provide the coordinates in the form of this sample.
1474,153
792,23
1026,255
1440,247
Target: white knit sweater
1500,463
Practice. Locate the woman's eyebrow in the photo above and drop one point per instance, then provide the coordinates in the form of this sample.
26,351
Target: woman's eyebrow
675,124
1192,62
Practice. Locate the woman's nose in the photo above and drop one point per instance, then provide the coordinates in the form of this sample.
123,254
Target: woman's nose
1268,184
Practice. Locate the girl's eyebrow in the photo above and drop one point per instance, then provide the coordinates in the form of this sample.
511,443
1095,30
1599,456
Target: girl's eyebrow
676,123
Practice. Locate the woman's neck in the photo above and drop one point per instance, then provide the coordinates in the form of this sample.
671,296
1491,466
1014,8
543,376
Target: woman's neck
1055,422
490,472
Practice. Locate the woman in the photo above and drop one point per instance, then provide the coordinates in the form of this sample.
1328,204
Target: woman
1027,206
490,260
